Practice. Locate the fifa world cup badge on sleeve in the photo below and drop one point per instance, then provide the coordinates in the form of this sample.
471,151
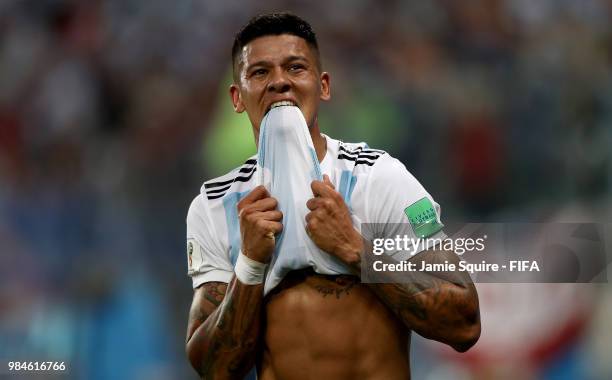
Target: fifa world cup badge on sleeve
190,254
194,256
422,217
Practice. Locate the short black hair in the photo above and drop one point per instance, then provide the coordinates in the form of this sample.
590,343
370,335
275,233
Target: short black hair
273,24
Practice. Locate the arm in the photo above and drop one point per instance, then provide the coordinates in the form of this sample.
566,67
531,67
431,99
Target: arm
224,321
440,306
224,325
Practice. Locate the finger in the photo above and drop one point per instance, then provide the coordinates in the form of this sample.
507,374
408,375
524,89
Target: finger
308,233
259,192
271,227
315,217
261,205
309,216
274,215
265,204
320,189
311,226
328,182
314,203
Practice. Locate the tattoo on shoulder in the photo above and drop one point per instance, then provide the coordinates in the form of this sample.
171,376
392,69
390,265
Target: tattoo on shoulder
214,292
339,286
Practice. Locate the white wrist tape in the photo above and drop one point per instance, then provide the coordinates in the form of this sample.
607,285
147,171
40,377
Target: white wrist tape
249,271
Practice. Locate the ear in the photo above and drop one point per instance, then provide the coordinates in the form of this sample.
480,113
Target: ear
325,86
236,98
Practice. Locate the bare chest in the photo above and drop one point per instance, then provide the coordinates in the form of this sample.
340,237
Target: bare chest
334,325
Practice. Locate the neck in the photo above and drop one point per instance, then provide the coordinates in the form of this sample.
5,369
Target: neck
319,142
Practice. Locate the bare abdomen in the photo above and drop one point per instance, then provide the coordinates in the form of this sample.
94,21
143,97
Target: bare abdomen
321,327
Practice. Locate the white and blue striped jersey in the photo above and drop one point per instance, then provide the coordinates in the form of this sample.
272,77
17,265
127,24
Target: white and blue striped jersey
376,187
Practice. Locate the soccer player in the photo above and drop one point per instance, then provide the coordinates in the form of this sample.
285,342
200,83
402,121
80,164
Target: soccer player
312,325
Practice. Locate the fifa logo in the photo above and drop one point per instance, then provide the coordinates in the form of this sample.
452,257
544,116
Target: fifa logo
190,253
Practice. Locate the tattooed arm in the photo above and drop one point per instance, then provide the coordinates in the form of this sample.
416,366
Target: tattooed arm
223,329
437,305
224,321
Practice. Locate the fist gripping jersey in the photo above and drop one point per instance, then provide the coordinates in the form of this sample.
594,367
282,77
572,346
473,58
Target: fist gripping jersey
376,187
286,165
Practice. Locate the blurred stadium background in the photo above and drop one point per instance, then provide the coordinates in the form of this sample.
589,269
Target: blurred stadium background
112,114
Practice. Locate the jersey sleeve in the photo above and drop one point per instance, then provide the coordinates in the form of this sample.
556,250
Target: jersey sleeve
206,259
398,205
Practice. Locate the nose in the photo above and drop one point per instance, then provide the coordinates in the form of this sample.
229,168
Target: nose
278,82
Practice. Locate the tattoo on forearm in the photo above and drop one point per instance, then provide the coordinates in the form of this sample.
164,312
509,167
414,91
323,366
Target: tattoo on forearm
404,301
419,297
225,338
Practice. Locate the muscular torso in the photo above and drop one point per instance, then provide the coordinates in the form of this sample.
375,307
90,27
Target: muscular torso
324,327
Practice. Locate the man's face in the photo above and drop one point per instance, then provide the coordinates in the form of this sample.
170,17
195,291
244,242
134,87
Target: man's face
278,68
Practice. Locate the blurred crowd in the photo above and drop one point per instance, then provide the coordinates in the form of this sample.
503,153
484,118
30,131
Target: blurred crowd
109,109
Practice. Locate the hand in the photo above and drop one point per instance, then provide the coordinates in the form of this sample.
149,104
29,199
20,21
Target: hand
259,222
329,223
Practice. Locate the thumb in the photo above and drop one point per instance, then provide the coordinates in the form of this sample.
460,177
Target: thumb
328,182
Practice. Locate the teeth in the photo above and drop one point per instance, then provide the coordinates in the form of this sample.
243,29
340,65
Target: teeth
282,103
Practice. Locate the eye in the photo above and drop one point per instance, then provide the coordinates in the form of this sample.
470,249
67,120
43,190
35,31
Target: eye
258,72
296,67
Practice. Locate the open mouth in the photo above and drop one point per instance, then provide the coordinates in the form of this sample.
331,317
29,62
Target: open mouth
281,103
